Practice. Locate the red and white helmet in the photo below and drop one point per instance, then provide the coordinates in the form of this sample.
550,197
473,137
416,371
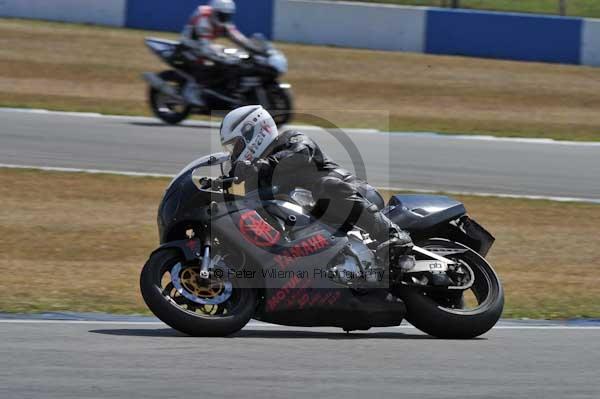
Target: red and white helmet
246,132
223,11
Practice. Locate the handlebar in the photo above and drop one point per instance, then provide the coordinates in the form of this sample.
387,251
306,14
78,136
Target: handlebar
225,179
219,182
216,184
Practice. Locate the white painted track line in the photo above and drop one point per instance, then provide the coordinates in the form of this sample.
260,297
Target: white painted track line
399,189
266,325
78,170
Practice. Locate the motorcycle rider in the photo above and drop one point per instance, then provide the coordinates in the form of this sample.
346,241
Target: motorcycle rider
264,158
205,25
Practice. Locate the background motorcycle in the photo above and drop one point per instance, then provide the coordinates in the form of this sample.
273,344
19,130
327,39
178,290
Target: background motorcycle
256,83
207,232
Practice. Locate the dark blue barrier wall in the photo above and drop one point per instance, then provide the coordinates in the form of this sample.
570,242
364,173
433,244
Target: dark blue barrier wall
252,15
499,35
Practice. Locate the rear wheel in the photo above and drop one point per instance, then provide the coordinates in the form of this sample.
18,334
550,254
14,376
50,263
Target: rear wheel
281,104
457,314
215,307
167,108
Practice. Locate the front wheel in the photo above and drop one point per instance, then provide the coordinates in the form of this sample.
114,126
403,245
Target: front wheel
462,315
215,307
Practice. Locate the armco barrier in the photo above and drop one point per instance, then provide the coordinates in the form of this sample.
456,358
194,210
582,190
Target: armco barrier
357,25
252,15
102,12
503,35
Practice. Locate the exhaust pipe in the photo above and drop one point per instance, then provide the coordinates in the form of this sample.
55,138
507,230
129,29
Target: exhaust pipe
159,84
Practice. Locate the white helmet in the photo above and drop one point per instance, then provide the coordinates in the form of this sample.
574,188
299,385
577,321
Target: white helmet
223,11
246,132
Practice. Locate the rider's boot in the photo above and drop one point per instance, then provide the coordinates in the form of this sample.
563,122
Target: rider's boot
389,254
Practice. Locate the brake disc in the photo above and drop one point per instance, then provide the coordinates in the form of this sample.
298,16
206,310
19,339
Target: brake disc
185,281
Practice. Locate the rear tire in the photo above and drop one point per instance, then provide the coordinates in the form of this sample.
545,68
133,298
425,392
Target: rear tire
282,105
169,111
191,323
429,316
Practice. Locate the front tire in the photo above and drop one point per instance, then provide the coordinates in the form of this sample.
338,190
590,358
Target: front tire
446,318
182,314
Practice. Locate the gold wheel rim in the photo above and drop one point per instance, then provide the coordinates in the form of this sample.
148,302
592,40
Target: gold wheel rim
189,280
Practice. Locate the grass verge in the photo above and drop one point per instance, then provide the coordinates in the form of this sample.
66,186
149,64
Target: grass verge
77,242
95,69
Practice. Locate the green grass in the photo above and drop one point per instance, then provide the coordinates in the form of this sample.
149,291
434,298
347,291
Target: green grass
584,8
77,242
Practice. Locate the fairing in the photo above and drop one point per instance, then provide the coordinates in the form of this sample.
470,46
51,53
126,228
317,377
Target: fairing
183,200
162,47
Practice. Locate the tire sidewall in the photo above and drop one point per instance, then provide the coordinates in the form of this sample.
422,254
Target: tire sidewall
285,115
425,314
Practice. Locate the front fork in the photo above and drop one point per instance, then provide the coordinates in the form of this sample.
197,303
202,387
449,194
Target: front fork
204,272
206,258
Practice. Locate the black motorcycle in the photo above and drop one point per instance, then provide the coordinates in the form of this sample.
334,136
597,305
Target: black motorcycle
226,258
255,81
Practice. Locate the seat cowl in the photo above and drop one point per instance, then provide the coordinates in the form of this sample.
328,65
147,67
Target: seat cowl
417,212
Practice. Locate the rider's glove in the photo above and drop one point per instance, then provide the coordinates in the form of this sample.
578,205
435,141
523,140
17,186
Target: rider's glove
243,169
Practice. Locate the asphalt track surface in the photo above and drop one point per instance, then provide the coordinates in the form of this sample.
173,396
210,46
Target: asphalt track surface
120,359
408,161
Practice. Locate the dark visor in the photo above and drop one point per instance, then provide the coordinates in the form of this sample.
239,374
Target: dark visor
235,147
224,17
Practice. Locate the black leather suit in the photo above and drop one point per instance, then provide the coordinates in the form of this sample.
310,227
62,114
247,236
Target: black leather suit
294,160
